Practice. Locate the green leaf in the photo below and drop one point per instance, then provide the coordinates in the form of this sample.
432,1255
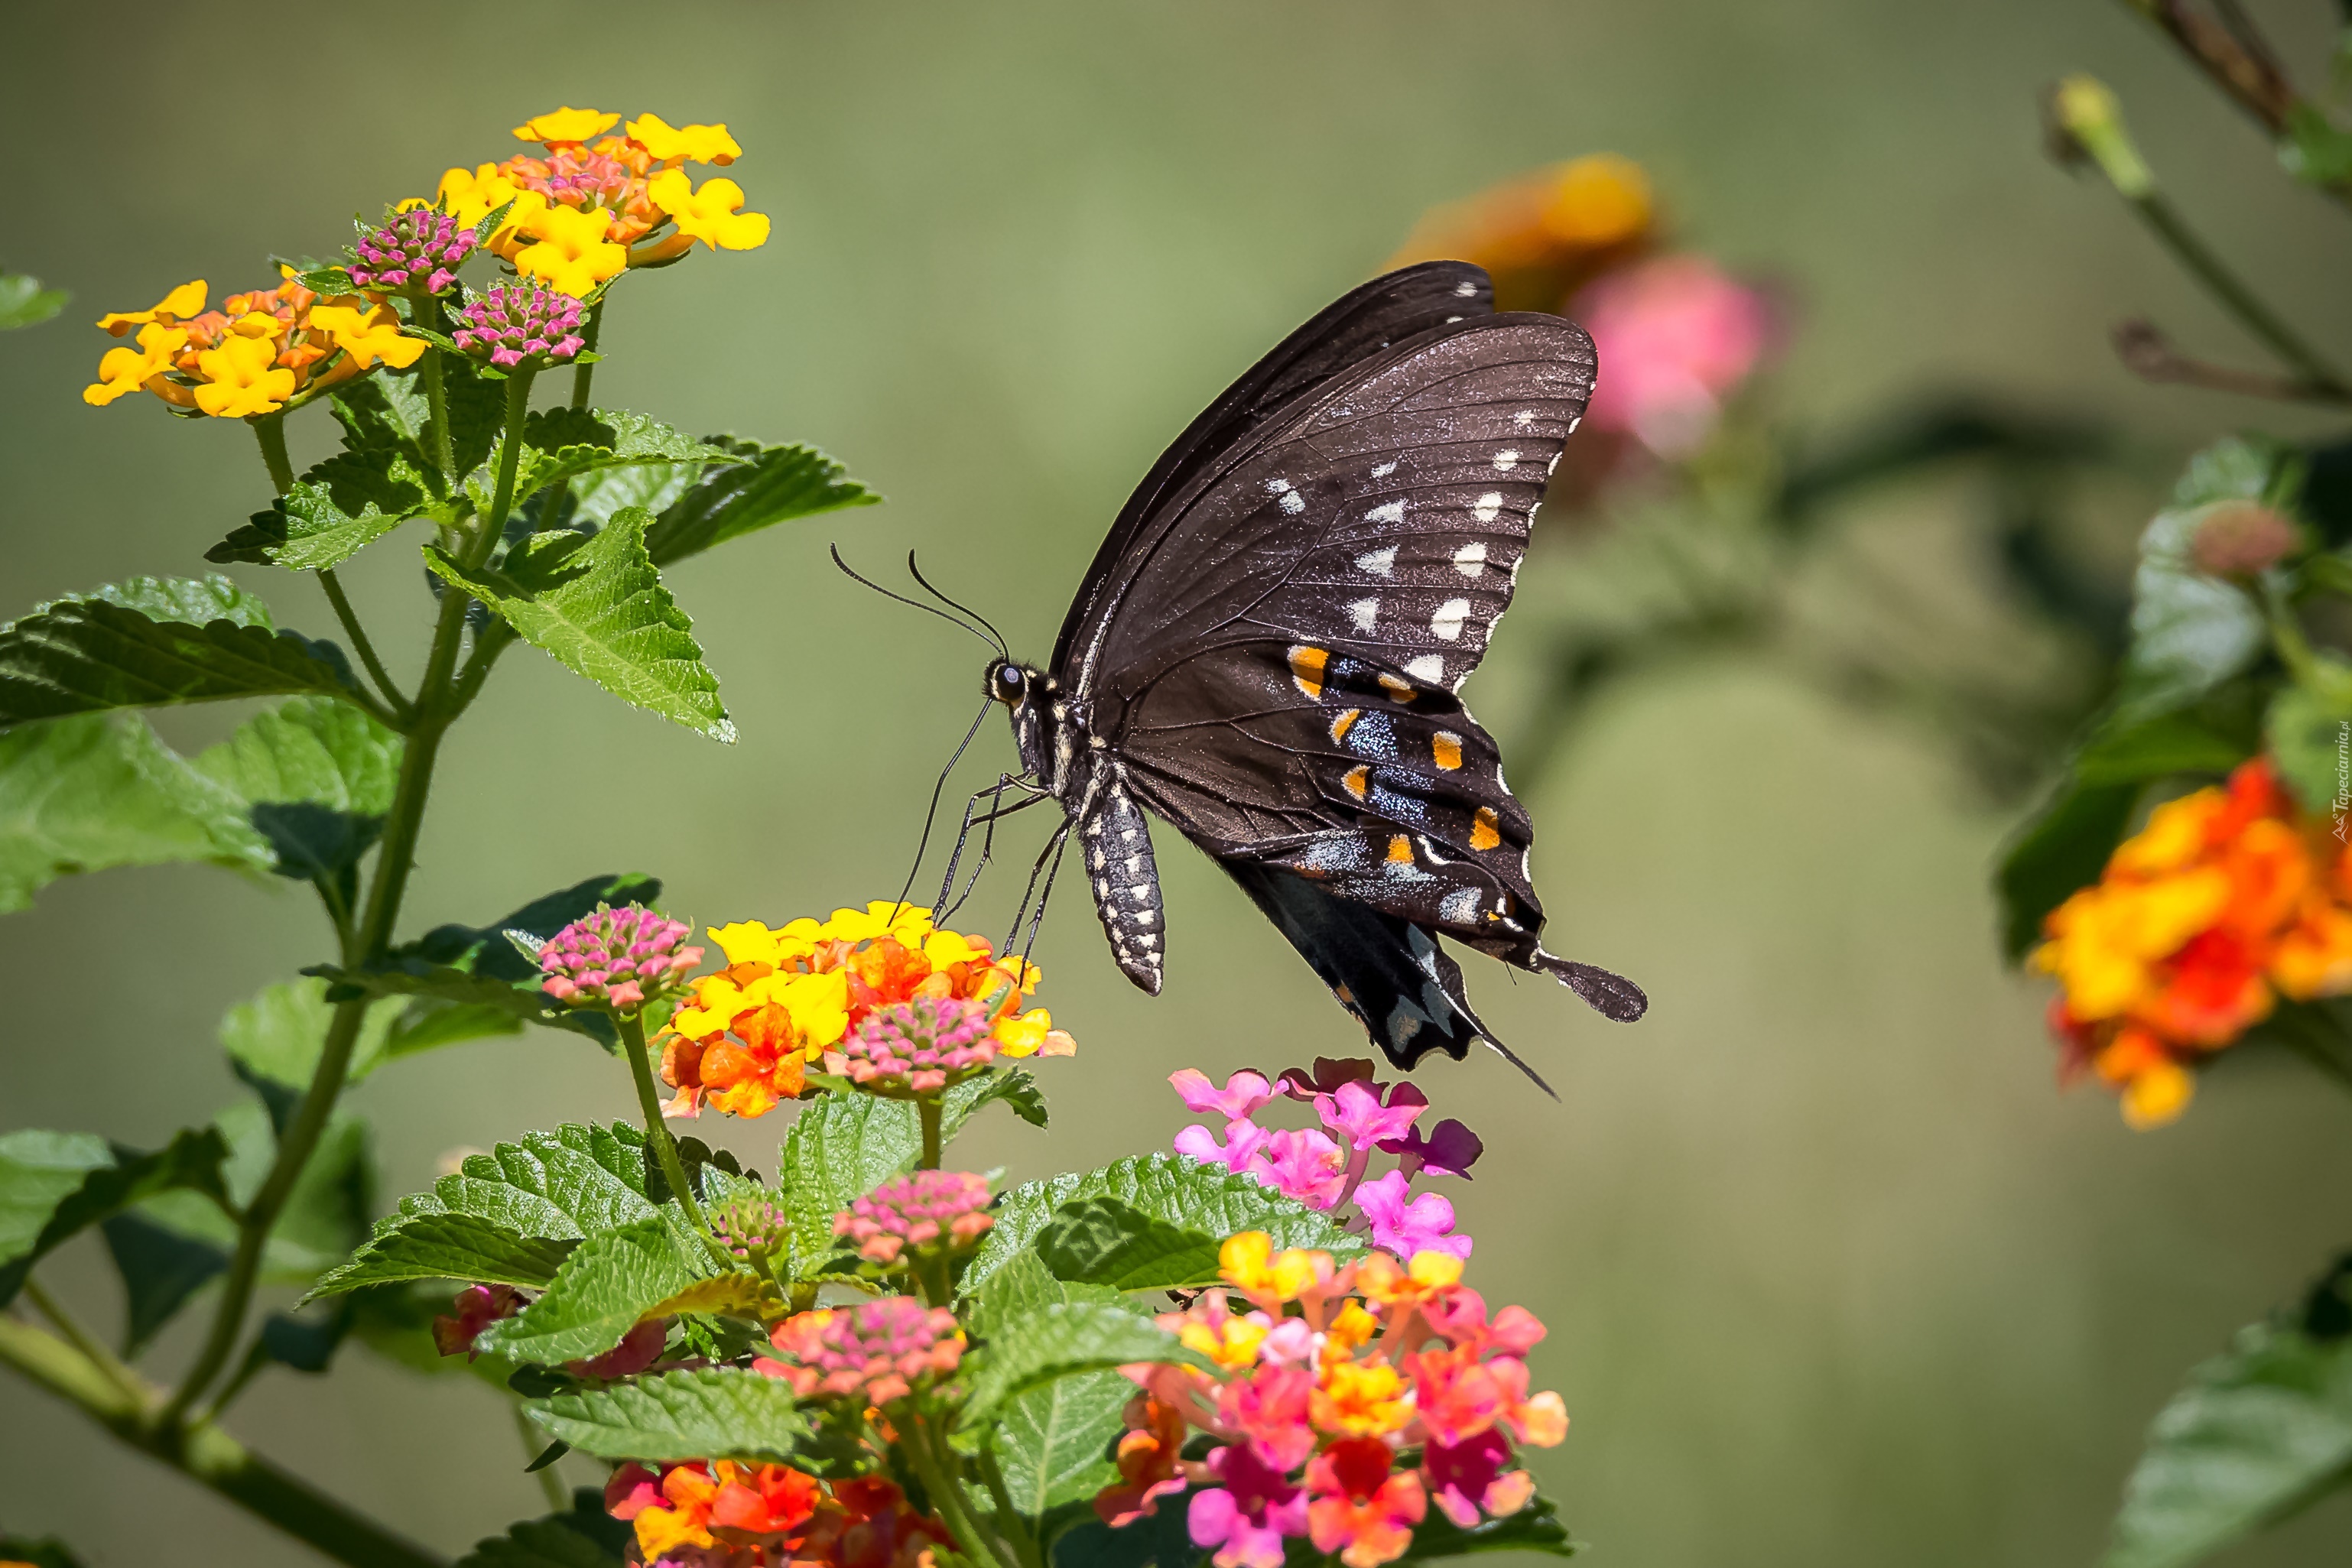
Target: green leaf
558,443
1013,1085
2310,733
610,1283
309,749
325,1216
1053,1441
428,1024
716,1413
100,790
1535,1528
485,949
555,1542
1019,1288
24,303
51,1188
568,1184
197,600
1166,1187
1061,1341
2257,1434
2189,631
597,606
281,1032
337,510
772,485
389,412
461,1246
2313,150
88,654
1102,1241
842,1147
161,1269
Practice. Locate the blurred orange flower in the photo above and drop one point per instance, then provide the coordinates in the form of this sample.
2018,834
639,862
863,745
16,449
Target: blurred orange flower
1543,235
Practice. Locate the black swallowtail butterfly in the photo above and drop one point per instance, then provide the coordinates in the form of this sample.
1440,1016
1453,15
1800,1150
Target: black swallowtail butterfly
1266,649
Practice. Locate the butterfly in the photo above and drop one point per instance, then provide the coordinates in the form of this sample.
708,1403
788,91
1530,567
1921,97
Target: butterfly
1267,650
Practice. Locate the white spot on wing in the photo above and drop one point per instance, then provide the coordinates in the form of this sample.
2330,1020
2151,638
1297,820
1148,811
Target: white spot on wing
1446,625
1364,612
1524,418
1384,470
1465,290
1379,563
1393,512
1290,500
1461,906
1506,459
1489,507
1430,668
1470,561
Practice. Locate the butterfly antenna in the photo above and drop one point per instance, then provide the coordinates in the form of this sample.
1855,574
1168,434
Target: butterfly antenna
916,603
923,846
1002,647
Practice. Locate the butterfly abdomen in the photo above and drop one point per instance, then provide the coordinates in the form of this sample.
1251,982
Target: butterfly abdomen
1126,881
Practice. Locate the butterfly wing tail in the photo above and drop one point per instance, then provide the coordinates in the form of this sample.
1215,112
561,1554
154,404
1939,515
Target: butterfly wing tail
1389,973
1613,996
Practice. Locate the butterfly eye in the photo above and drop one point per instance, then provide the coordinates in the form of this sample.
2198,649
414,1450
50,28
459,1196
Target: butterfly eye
1010,681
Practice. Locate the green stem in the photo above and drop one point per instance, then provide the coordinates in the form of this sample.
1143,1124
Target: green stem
1010,1519
927,1111
2232,295
510,457
269,429
582,374
947,1497
2287,636
427,313
665,1148
209,1456
80,1338
358,635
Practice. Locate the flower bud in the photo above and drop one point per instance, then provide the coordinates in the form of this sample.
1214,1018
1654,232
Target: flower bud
928,1208
876,1352
517,319
617,958
2086,121
2240,539
753,1229
416,252
919,1043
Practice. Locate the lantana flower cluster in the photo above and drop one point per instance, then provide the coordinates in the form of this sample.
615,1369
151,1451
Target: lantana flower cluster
870,1355
476,1307
1326,1168
1543,235
259,352
591,203
922,1212
1346,1400
744,1040
618,958
2226,901
709,1514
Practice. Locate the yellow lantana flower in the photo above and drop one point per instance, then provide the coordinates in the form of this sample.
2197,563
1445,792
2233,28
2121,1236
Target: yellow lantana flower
570,251
566,124
907,924
687,144
711,214
187,300
1250,1265
1598,200
126,370
368,336
242,377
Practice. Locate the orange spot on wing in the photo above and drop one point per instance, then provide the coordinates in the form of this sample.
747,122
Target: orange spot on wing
1358,781
1399,850
1445,747
1345,722
1307,669
1483,833
1400,690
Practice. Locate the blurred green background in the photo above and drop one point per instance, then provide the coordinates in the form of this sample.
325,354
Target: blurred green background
1835,1275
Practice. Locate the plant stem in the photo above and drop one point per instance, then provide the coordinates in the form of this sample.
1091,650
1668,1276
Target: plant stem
665,1148
358,635
1010,1519
947,1497
209,1456
582,374
2232,295
510,457
65,1323
927,1111
427,313
269,429
2286,635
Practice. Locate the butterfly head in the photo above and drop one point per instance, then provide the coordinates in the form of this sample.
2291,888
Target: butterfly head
1012,683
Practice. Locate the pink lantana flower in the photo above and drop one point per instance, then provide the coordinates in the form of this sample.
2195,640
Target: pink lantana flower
1359,1509
1270,1406
1675,335
1424,1225
1244,1093
1450,1149
1460,1318
1246,1518
1354,1111
1306,1166
1467,1477
1244,1139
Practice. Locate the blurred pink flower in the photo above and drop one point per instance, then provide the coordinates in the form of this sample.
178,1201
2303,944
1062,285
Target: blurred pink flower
1244,1093
1675,335
1244,1139
1425,1224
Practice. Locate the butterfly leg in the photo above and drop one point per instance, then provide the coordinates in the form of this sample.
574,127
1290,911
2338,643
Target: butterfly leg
949,900
1047,866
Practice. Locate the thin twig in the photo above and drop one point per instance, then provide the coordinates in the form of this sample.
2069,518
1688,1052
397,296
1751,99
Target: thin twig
81,1339
400,704
2148,354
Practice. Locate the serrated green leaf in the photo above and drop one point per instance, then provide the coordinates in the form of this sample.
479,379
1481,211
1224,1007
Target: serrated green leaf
339,508
161,1269
197,600
842,1147
718,1414
34,1168
570,1184
1023,1286
483,949
389,410
24,303
596,605
1061,1341
100,790
552,1542
562,442
610,1283
1102,1241
1052,1441
2189,632
461,1246
771,485
1166,1187
428,1024
2257,1434
313,749
87,655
